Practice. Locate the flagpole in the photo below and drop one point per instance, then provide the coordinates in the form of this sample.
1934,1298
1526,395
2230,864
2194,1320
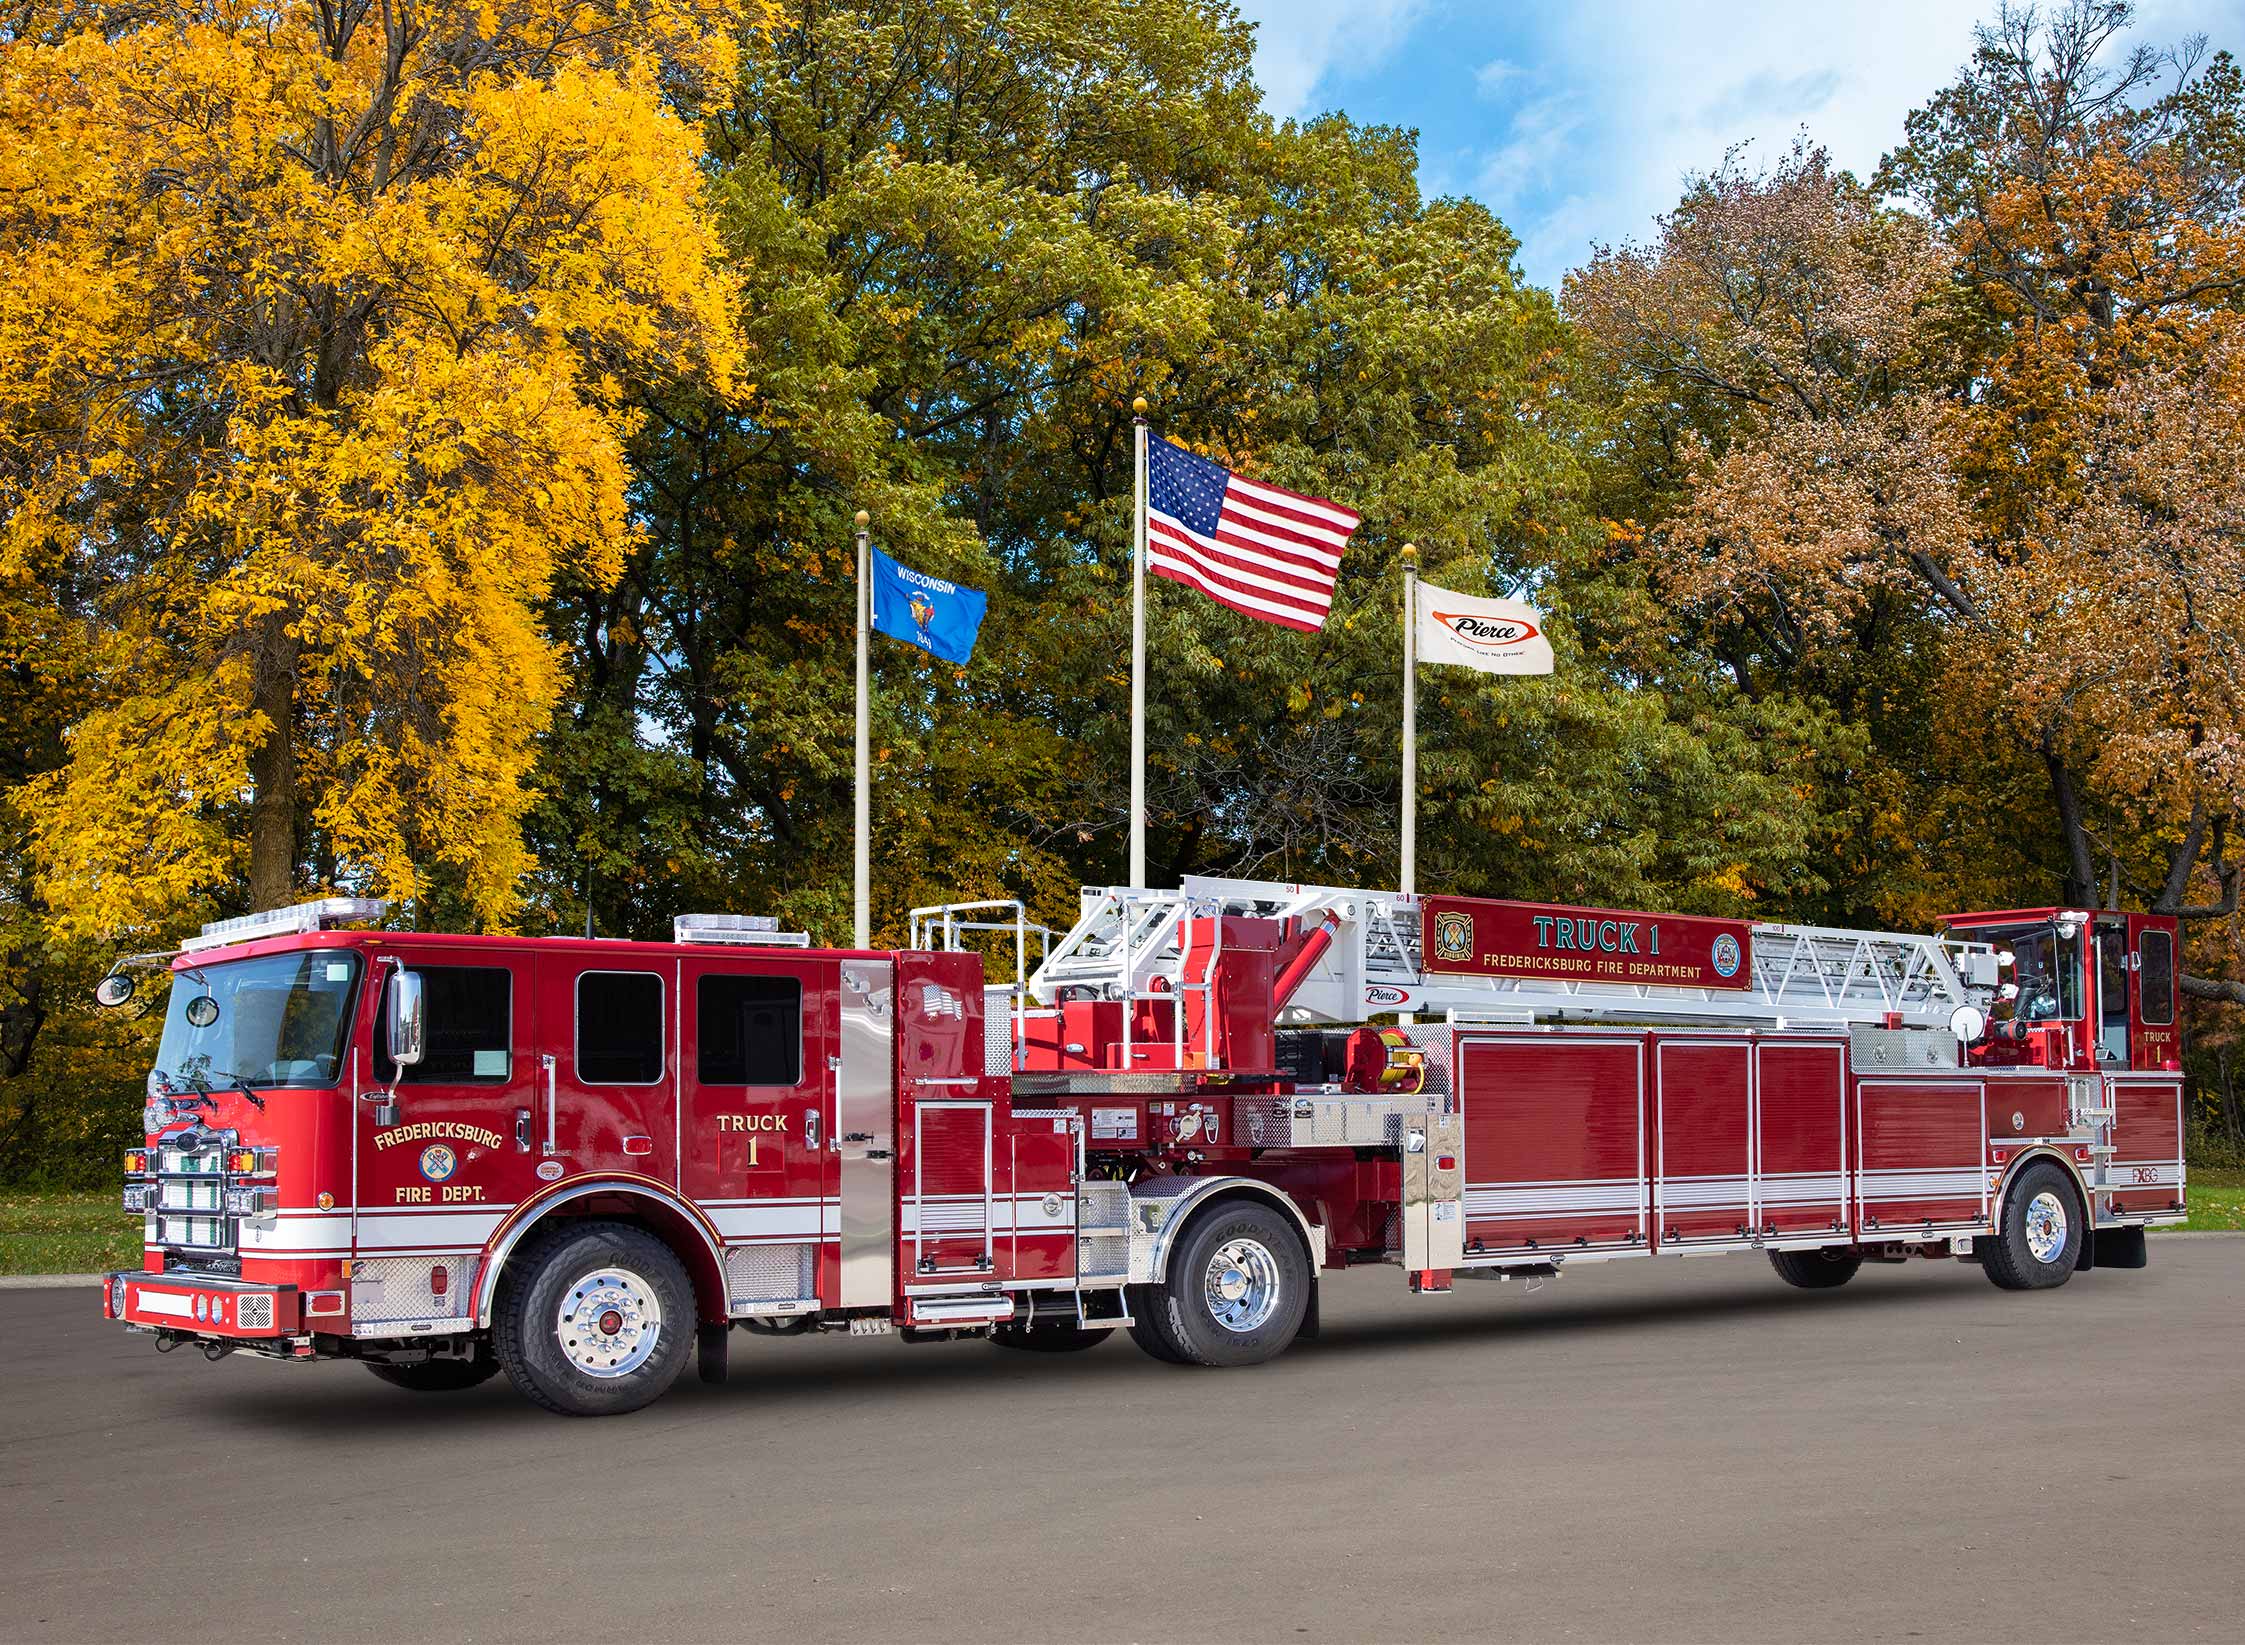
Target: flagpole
1410,719
862,868
1138,652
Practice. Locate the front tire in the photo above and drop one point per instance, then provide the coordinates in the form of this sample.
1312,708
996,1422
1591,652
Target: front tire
2038,1242
438,1376
1237,1290
596,1319
1815,1270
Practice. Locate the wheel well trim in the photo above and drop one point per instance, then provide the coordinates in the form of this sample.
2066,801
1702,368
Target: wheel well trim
533,1214
2019,1164
1212,1189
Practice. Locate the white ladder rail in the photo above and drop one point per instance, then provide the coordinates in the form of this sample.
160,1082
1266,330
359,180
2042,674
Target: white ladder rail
1803,975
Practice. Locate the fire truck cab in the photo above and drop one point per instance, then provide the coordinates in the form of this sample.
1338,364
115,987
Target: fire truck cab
586,1162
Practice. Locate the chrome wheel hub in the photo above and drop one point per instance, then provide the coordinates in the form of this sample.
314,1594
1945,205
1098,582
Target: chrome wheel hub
2046,1226
1241,1285
609,1323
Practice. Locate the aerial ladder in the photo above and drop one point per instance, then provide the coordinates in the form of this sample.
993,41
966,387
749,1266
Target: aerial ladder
1356,954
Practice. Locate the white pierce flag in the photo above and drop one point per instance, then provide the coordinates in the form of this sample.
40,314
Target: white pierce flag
1494,636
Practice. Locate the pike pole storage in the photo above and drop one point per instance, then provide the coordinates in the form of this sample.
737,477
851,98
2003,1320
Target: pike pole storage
588,1162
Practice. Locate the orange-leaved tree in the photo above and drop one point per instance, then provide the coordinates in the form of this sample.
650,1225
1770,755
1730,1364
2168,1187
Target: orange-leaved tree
316,364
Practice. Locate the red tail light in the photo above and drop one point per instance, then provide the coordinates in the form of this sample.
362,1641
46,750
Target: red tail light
440,1280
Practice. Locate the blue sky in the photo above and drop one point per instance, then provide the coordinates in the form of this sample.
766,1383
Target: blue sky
1575,122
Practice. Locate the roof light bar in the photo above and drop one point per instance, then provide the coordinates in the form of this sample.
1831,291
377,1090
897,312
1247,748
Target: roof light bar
303,917
740,930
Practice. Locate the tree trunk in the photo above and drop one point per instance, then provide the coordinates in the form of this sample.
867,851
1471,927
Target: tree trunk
272,769
2081,867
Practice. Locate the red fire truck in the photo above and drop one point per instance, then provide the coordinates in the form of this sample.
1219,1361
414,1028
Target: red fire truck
581,1161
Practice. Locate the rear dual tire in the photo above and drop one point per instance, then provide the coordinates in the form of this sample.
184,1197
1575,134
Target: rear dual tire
1236,1293
1048,1339
1815,1270
2037,1244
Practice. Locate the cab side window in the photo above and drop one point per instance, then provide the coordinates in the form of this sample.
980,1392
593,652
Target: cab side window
619,1027
751,1030
2155,981
469,1010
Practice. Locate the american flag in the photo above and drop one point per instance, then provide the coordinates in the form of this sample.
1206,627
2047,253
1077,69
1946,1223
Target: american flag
1272,554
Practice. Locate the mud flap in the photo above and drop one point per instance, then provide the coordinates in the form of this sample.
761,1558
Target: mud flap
710,1343
2113,1248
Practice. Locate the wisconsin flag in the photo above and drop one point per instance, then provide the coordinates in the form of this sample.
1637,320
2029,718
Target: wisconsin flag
1494,636
939,617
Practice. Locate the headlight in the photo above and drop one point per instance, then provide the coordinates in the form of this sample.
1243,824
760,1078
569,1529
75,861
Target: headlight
139,1196
249,1202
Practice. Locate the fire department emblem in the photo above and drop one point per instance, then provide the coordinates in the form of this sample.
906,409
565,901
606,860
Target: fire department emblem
1453,936
1725,955
438,1162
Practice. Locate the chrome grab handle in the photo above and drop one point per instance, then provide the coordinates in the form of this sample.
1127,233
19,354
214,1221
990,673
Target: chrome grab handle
546,1065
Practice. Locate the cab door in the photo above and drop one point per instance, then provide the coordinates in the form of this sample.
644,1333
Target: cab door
442,1148
756,1121
607,1075
2115,1013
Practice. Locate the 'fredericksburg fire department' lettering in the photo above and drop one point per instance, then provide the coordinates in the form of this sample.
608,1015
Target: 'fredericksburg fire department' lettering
436,1131
1479,937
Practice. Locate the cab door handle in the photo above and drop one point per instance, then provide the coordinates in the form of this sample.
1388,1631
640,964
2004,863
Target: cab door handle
810,1128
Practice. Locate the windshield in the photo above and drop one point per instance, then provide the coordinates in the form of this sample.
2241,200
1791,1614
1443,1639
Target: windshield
2047,969
279,1019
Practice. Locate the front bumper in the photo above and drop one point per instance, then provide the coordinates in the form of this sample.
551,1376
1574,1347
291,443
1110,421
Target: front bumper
202,1305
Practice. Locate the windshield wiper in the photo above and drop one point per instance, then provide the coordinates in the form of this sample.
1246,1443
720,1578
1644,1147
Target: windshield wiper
243,1086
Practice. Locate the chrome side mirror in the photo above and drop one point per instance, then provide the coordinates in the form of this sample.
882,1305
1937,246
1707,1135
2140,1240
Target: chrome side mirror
113,990
407,1026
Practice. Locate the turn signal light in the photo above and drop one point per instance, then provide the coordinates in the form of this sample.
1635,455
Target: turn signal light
136,1162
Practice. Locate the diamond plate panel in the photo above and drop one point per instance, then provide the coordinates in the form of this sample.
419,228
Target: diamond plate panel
761,1274
396,1290
997,1031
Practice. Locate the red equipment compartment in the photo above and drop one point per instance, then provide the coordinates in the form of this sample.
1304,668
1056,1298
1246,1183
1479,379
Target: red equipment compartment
1554,1141
1800,1158
2147,1168
986,1194
1922,1152
1704,1162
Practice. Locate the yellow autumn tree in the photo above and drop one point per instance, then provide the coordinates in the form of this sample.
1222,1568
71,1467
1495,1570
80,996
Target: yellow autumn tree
317,357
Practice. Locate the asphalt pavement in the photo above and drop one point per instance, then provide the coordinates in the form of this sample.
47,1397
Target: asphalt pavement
1663,1450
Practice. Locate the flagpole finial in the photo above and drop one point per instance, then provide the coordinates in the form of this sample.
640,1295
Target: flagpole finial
1138,406
863,519
1410,551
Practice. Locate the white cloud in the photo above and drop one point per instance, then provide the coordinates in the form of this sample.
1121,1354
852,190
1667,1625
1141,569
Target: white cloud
1493,76
1538,145
1300,42
1659,88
